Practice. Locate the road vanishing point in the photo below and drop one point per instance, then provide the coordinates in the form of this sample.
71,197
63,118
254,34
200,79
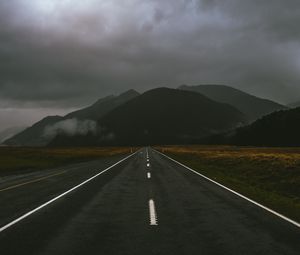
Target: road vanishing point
142,203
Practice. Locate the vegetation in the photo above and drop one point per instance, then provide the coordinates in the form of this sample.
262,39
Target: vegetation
17,159
270,176
276,129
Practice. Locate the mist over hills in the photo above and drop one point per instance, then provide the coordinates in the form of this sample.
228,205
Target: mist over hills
189,114
253,107
34,135
162,116
81,121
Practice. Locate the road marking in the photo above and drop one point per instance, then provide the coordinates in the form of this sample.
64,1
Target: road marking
148,175
152,212
32,181
147,160
297,224
60,196
148,164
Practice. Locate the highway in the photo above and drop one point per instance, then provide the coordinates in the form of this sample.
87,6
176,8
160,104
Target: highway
143,203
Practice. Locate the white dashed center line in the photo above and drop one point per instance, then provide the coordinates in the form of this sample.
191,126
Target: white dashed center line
152,211
148,175
148,164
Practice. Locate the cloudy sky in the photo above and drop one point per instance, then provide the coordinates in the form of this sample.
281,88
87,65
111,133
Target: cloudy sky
58,55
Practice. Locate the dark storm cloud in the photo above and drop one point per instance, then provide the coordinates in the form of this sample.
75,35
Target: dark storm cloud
64,52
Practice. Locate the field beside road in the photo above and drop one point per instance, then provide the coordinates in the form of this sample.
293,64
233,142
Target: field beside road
21,159
270,176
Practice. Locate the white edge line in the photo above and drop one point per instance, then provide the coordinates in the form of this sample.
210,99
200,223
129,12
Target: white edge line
297,224
61,195
152,211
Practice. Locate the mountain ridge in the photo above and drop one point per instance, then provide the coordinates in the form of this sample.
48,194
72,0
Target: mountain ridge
10,132
276,129
35,135
252,106
161,115
294,104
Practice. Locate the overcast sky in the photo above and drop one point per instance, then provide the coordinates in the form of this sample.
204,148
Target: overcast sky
61,54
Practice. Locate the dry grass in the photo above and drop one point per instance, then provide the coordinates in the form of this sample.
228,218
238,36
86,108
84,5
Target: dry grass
16,159
268,175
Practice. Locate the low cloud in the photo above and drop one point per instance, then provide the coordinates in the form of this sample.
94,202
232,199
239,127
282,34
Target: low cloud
71,127
108,137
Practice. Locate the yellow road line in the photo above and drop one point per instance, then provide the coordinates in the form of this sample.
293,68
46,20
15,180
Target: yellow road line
36,180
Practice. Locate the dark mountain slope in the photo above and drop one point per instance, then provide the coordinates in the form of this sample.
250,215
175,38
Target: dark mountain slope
169,116
102,106
253,107
162,116
10,132
35,135
277,129
294,104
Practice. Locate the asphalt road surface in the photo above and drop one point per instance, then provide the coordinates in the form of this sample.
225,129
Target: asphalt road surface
143,204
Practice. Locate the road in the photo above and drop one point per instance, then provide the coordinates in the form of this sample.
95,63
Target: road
145,204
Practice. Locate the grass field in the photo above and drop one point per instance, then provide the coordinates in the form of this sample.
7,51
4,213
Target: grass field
270,176
18,159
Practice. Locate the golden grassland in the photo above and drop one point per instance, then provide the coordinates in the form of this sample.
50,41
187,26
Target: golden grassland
268,175
16,159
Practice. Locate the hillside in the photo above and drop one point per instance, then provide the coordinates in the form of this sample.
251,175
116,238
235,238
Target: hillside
9,132
161,116
102,106
277,129
33,136
253,107
42,132
294,104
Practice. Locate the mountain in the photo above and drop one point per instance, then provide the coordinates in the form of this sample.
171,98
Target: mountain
9,132
42,132
253,107
161,116
33,136
294,104
102,106
277,129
